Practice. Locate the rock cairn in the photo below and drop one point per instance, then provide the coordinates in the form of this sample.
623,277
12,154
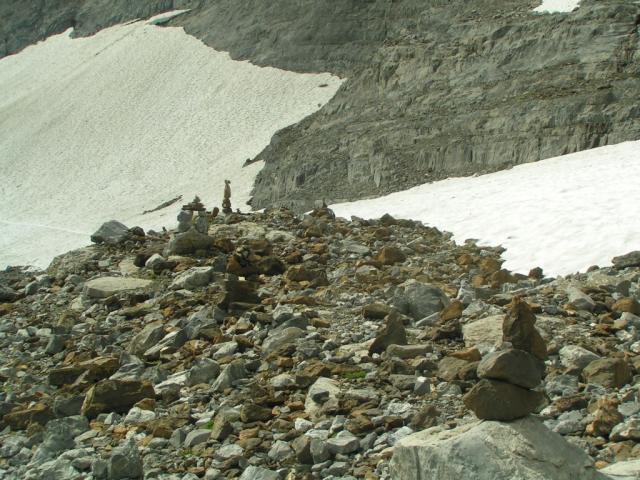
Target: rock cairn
509,375
226,200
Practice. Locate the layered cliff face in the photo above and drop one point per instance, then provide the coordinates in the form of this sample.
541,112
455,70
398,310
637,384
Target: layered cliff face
459,88
435,88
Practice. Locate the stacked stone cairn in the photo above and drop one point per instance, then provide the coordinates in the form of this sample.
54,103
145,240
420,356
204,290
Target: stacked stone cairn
509,375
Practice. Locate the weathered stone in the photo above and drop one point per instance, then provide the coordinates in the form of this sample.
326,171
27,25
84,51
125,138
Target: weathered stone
629,305
258,473
390,256
193,278
629,470
519,329
391,333
20,419
495,400
375,311
579,300
513,366
149,336
125,462
280,339
111,233
575,357
188,242
106,286
407,351
322,397
115,396
631,259
450,367
419,300
608,372
196,437
524,449
232,372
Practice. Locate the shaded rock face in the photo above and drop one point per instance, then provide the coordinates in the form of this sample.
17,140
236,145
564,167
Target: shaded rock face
433,89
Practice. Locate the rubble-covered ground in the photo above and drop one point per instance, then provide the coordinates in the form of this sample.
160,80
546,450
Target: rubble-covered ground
298,347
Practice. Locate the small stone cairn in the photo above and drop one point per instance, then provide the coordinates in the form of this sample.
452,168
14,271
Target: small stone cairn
508,375
226,201
185,217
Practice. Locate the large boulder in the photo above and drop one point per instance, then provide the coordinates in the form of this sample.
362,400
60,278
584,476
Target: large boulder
106,286
322,397
524,449
514,366
495,400
419,300
193,278
188,242
115,396
111,233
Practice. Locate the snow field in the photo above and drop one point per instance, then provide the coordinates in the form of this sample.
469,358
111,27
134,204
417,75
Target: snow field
563,214
109,126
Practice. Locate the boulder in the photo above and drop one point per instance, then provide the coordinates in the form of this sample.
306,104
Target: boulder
125,462
258,473
419,300
631,259
281,338
7,294
149,336
322,397
629,470
524,449
193,278
495,400
106,286
514,366
608,372
575,357
111,233
115,396
390,255
579,300
188,242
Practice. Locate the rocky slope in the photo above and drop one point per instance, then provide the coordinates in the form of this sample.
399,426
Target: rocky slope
434,88
307,347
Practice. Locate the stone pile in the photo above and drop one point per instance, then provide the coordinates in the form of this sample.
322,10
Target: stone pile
509,375
308,347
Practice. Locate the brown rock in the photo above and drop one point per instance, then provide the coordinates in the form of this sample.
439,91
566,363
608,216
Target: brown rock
449,368
608,372
519,329
115,396
300,273
21,418
495,400
302,448
514,366
470,354
489,265
391,255
391,333
452,312
221,428
627,304
375,311
250,412
606,416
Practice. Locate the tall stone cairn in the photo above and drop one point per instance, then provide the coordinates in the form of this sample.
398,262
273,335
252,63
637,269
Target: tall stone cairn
508,375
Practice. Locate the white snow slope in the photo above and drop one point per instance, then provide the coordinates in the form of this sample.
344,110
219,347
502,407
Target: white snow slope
563,214
557,6
106,127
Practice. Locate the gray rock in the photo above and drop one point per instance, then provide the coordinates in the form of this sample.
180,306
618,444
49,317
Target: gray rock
580,300
629,470
193,278
627,430
523,449
321,397
258,473
150,335
631,259
188,242
319,450
344,442
125,462
575,357
203,370
111,233
155,261
196,437
7,294
419,300
232,372
280,451
281,338
106,286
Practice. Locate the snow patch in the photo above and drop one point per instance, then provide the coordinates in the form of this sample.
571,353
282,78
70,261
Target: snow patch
106,127
563,214
557,6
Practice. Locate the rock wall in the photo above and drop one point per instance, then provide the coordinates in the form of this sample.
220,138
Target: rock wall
435,88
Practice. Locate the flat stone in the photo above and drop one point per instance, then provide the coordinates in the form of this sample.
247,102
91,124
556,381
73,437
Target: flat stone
513,366
608,372
495,400
322,396
629,470
115,396
575,357
196,437
106,286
